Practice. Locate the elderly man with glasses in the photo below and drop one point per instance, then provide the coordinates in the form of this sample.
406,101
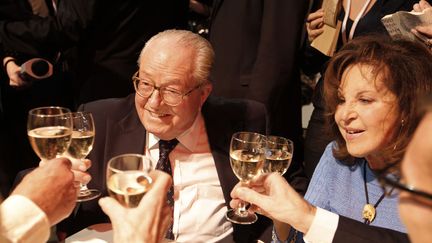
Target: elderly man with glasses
171,109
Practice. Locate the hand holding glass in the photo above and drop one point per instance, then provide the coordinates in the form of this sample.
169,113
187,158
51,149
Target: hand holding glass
83,133
128,178
279,153
247,158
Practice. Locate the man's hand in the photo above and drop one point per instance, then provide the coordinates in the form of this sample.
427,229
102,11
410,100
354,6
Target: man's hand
79,169
51,187
146,223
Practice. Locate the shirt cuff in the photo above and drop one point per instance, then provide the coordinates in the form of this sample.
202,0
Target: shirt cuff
23,221
323,227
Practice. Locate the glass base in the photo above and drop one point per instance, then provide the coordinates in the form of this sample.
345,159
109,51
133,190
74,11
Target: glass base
241,218
87,195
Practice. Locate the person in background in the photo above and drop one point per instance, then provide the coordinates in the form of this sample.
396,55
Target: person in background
107,35
256,46
361,17
171,108
17,96
373,111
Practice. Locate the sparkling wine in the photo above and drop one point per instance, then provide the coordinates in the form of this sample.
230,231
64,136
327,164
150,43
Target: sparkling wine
129,187
277,161
81,144
246,164
50,142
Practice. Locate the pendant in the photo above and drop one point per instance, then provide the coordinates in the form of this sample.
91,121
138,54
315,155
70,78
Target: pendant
369,213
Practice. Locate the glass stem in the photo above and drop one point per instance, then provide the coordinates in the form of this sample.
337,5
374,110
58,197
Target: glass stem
83,191
241,210
83,187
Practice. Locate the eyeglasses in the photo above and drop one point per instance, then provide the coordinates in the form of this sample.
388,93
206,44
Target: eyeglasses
390,179
169,96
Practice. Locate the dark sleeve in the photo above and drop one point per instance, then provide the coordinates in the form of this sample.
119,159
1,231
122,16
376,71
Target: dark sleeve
38,36
353,231
312,60
279,41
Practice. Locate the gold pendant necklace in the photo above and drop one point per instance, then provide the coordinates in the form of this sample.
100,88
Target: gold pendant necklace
369,210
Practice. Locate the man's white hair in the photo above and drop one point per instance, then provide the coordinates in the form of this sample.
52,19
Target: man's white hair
204,54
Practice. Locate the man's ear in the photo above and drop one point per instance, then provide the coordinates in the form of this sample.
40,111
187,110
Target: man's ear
205,92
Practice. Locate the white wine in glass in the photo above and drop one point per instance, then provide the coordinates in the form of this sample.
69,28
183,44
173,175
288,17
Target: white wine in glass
247,155
49,130
82,139
128,178
279,153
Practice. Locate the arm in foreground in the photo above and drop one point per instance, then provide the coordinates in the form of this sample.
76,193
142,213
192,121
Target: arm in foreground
43,198
273,197
145,223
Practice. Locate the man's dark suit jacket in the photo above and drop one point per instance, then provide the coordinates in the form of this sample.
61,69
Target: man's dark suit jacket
352,231
119,131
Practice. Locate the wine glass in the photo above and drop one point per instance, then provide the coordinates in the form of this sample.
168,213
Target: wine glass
83,132
49,130
247,157
279,153
128,178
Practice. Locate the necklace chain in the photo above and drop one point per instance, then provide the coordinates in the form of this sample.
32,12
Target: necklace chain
369,210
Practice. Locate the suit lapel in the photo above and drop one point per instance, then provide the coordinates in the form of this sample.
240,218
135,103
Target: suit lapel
126,135
219,135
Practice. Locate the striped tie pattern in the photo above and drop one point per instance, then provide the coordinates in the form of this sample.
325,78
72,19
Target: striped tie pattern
164,164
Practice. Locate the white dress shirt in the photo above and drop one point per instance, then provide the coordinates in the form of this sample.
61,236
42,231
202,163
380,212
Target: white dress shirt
199,204
21,220
323,227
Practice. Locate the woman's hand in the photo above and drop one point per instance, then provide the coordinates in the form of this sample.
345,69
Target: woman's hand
12,70
272,196
425,30
420,6
315,24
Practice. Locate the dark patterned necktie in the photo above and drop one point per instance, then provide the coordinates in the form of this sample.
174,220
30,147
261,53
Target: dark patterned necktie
165,148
